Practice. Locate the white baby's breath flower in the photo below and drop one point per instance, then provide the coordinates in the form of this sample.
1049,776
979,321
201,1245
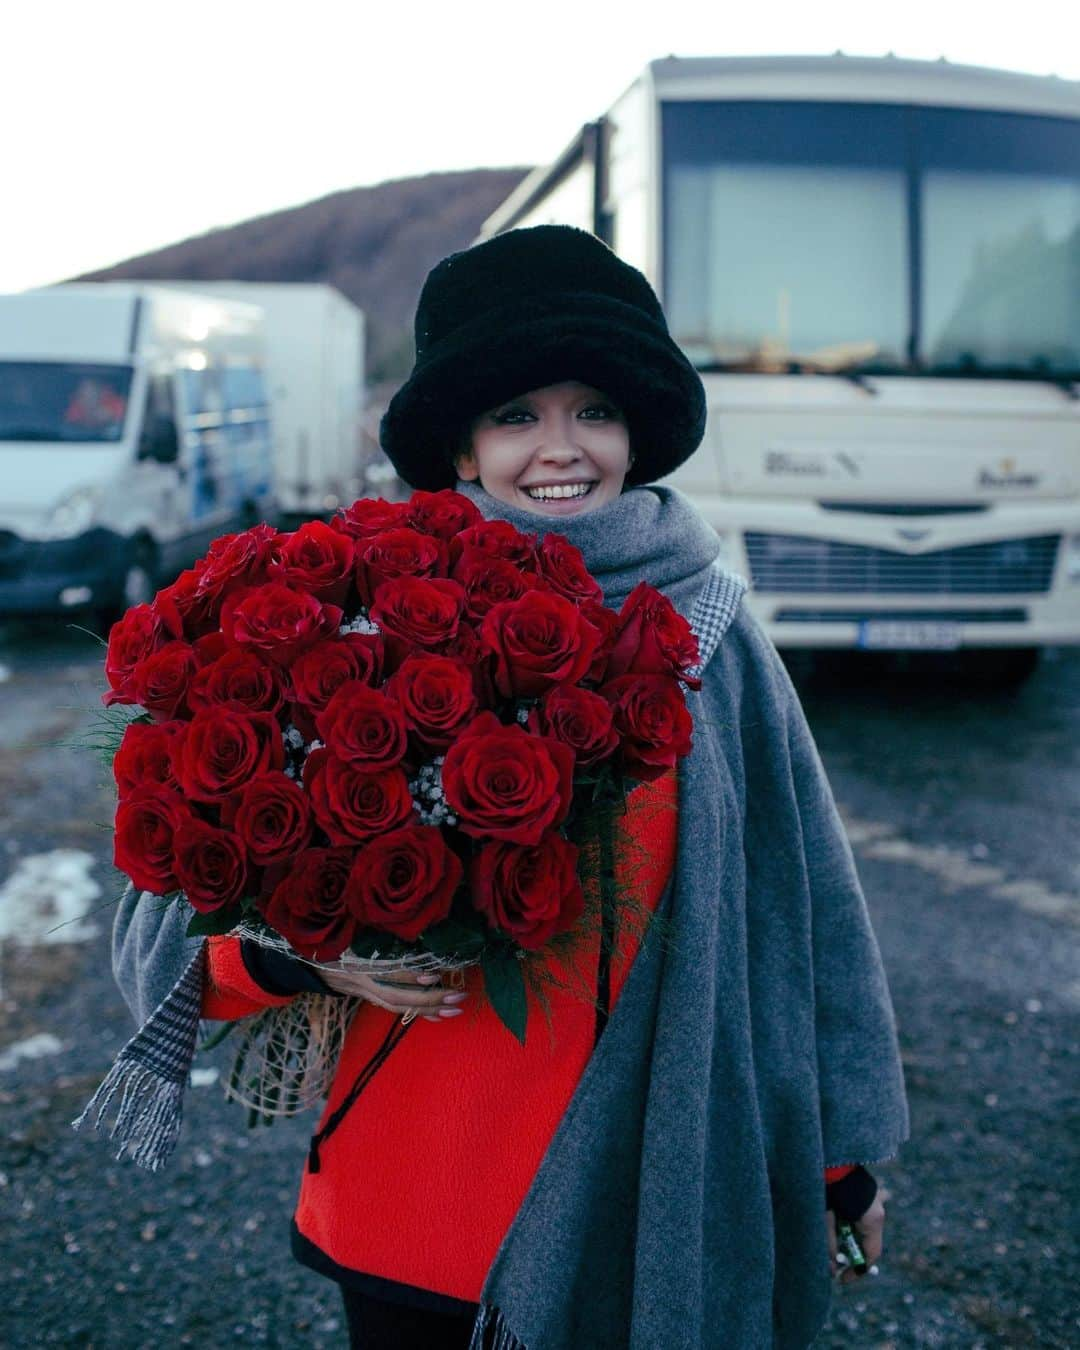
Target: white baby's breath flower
361,624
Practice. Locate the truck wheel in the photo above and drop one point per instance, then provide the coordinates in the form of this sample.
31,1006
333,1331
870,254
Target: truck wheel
139,587
999,667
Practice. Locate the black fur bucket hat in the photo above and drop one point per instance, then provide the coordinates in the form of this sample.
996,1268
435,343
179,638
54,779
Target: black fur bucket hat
530,308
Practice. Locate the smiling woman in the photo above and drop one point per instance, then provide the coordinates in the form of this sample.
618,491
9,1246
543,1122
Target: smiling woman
560,450
681,1133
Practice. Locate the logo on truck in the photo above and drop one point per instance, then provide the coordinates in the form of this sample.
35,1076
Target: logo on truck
1006,476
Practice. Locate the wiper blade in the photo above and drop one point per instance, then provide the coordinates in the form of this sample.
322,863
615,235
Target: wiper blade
26,434
855,376
1066,381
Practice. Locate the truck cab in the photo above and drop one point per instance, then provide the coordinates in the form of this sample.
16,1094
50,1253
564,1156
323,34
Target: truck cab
134,429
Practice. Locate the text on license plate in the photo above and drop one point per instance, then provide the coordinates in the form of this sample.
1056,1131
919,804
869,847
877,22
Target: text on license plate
908,634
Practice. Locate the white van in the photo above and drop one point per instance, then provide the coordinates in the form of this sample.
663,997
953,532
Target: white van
134,428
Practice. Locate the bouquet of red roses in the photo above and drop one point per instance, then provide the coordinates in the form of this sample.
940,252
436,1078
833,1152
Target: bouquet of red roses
378,739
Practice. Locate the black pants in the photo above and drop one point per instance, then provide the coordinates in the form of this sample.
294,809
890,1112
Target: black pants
376,1324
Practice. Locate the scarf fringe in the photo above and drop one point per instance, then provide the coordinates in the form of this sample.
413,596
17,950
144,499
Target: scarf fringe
148,1117
490,1322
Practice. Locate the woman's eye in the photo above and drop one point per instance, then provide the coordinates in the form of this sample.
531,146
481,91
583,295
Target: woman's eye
603,409
509,415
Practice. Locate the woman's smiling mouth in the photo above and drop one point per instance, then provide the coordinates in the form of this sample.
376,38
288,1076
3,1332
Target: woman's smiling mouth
554,492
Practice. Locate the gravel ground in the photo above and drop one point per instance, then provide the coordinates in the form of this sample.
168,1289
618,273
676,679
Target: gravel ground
961,806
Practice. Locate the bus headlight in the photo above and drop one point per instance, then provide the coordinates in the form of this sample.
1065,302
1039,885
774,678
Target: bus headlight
1072,558
72,515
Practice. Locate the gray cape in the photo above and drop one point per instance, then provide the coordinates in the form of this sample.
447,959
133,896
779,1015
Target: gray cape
680,1204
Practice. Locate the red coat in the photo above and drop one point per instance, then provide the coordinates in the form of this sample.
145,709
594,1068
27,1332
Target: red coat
427,1171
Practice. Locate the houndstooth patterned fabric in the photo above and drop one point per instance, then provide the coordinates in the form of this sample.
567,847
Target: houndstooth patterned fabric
150,1073
714,610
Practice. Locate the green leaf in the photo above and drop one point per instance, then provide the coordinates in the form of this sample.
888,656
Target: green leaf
222,920
451,937
505,986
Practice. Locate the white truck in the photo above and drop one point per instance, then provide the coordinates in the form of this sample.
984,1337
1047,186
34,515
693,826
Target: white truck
134,428
315,370
875,264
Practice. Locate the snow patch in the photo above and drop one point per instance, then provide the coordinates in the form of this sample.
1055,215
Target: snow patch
33,1047
46,898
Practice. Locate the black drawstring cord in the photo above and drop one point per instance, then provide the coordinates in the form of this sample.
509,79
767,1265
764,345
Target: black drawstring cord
392,1039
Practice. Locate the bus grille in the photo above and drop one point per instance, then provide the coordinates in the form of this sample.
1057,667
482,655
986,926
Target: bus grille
806,566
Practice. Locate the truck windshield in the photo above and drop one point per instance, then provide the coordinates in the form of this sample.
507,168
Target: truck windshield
62,401
865,237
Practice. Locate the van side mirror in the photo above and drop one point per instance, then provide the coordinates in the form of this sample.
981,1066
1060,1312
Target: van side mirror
160,441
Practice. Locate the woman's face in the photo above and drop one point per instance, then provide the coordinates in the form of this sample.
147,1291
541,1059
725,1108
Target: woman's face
557,451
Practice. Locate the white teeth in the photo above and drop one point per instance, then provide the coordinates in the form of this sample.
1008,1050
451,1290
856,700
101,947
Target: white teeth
558,490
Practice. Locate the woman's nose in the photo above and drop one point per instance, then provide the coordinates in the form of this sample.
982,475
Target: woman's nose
560,445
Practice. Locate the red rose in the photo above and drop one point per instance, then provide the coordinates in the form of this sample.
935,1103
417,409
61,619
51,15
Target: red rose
530,894
308,907
146,824
580,719
144,759
238,679
404,881
397,553
437,697
653,639
352,805
412,612
210,865
496,539
652,719
317,674
606,622
184,612
234,561
222,750
502,783
368,516
277,621
314,558
363,727
563,568
272,817
131,640
489,581
160,681
442,514
209,648
538,641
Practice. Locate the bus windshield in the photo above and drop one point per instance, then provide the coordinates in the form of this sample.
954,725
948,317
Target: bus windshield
866,237
62,401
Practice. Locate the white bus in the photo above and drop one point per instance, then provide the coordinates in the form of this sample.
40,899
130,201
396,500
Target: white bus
875,264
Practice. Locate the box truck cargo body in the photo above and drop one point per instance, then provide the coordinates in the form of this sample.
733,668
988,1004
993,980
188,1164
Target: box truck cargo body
315,371
134,428
875,264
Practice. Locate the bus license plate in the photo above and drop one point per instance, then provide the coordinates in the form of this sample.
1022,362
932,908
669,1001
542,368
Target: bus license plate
909,635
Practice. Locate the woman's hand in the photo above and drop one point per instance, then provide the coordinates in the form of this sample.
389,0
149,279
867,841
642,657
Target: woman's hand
869,1230
402,992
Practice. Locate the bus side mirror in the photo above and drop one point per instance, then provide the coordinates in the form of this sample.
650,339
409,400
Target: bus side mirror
160,441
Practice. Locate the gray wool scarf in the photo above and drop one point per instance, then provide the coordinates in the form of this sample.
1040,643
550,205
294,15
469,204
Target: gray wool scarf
680,1204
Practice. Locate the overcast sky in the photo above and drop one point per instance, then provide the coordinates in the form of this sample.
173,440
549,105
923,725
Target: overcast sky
129,124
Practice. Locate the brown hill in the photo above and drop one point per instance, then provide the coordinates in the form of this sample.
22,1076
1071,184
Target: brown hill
375,244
